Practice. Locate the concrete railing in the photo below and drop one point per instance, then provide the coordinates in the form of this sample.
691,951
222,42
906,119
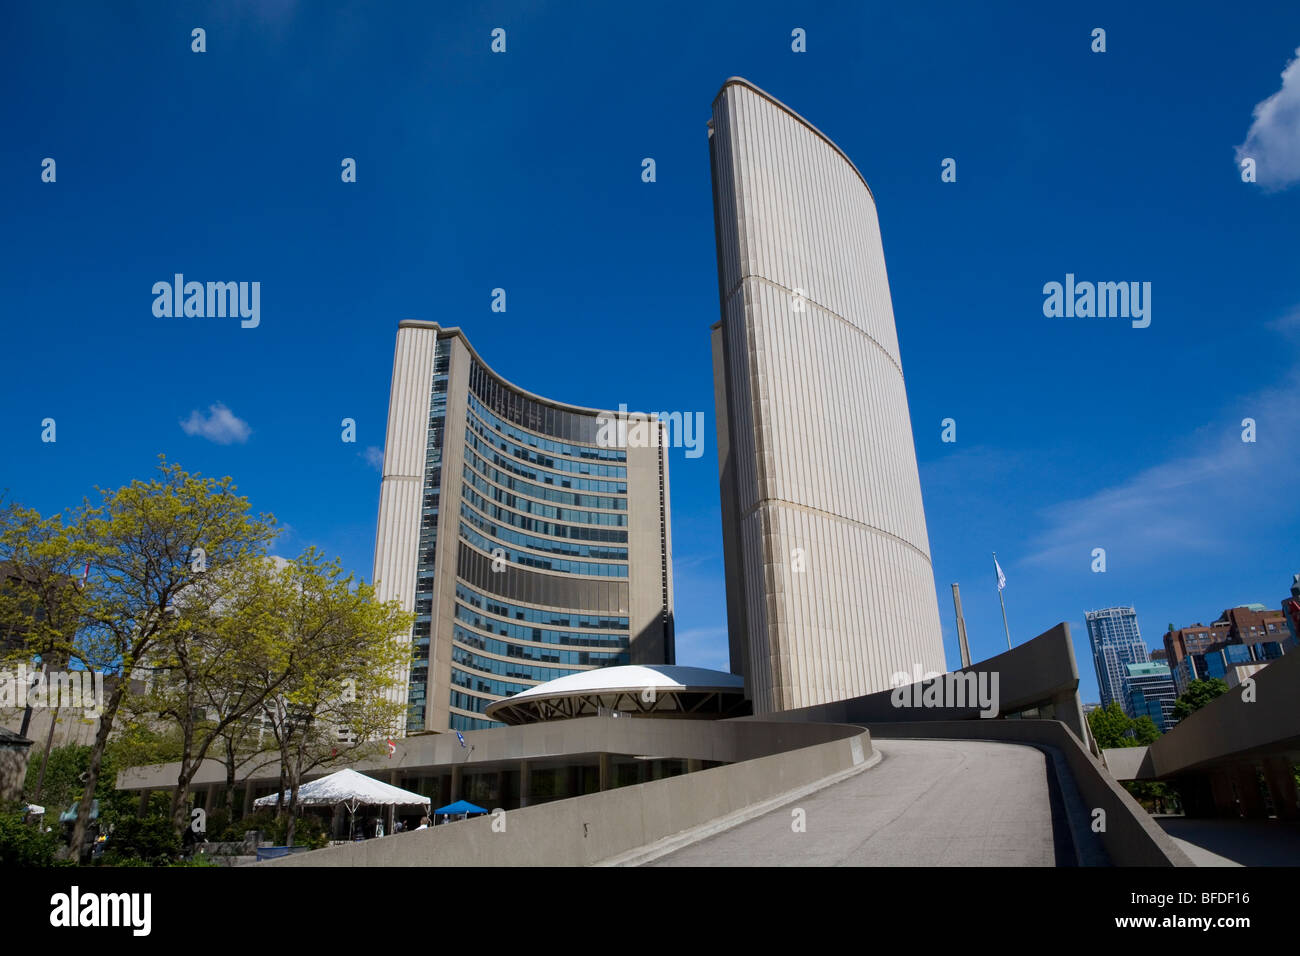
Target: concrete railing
1130,837
601,826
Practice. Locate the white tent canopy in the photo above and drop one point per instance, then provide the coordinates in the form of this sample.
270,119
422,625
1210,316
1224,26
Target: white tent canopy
351,789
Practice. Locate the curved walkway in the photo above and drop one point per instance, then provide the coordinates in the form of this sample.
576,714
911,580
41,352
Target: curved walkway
928,803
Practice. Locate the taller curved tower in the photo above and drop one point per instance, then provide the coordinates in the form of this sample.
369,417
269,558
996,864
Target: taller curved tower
830,590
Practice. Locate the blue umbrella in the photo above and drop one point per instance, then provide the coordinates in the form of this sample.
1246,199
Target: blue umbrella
460,806
72,812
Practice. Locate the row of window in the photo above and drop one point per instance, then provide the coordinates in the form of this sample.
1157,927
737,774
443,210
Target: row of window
485,685
468,701
532,615
586,424
562,662
536,635
576,532
527,506
540,544
542,492
523,453
415,714
528,560
461,722
545,477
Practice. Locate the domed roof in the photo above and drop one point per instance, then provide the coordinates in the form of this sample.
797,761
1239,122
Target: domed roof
660,690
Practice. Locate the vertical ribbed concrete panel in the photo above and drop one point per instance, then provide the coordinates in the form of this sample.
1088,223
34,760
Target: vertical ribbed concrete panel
397,536
830,586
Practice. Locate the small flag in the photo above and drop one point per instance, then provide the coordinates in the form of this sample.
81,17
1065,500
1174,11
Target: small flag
1002,578
461,738
392,748
86,573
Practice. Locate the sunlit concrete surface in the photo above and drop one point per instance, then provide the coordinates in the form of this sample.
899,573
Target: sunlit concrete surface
1235,842
928,803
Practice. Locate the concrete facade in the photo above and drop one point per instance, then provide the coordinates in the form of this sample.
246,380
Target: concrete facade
1234,756
830,588
601,827
528,546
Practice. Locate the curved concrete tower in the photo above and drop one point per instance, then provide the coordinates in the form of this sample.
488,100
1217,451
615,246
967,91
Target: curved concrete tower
529,542
830,590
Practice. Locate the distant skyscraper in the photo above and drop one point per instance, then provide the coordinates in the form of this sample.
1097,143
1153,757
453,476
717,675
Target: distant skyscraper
830,589
1115,640
529,546
1149,692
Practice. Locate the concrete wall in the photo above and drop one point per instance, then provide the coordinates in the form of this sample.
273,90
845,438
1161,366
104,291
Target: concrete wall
1219,757
1036,672
586,830
13,767
725,741
1131,837
1229,726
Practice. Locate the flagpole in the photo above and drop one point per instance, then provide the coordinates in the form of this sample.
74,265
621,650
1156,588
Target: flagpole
1004,606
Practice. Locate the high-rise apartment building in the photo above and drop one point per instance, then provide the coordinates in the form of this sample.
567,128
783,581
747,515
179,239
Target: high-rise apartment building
1116,642
530,537
830,589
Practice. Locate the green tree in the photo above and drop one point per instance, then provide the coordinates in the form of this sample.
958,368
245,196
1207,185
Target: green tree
1110,726
339,700
23,843
147,542
65,774
214,670
41,603
1199,693
1145,731
41,600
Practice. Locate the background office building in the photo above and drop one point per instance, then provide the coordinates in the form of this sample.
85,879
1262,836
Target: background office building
830,589
527,543
1149,692
1116,642
1238,644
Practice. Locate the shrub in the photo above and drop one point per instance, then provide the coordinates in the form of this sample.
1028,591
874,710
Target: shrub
218,822
25,844
150,840
310,830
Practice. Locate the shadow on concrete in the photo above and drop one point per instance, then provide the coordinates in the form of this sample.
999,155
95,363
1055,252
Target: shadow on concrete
1247,842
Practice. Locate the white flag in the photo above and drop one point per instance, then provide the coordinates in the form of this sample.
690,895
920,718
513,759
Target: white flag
1002,578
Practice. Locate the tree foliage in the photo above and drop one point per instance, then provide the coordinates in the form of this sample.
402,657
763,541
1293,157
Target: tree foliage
338,700
1111,727
222,651
1199,693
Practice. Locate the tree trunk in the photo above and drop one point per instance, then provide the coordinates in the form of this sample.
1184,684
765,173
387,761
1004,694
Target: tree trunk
96,760
230,779
293,793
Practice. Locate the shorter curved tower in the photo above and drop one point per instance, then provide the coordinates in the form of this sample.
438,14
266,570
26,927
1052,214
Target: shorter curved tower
830,591
528,541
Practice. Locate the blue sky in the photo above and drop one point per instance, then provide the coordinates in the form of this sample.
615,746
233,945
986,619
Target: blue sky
522,171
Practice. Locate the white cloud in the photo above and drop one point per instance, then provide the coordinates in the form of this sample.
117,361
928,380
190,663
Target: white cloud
374,457
1273,140
1218,492
220,426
